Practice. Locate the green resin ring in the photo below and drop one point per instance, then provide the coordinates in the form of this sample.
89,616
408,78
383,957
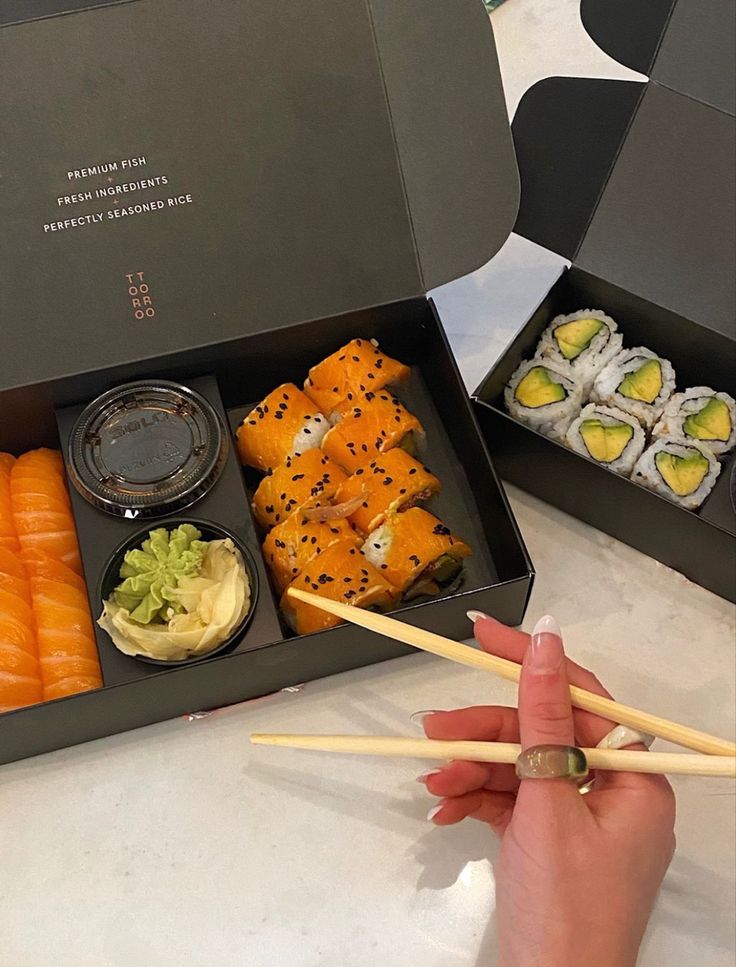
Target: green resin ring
552,762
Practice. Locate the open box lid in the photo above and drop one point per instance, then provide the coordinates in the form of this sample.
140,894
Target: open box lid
635,182
309,159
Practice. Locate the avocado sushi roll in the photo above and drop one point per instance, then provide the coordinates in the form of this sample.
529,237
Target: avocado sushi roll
416,553
700,414
609,436
684,471
636,381
587,340
544,394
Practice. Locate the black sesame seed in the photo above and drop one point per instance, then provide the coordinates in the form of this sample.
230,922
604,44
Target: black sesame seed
347,580
402,491
412,471
304,539
356,359
279,416
252,422
307,430
283,406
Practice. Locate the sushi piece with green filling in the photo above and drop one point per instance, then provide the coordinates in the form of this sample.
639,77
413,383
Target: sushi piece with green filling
545,395
609,436
683,471
701,414
587,340
636,381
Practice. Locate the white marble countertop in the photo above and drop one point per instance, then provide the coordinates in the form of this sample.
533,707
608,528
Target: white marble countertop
181,846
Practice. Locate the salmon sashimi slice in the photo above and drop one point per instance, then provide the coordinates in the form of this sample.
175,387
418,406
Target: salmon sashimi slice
50,614
17,586
17,691
50,461
8,537
14,632
28,502
14,607
53,487
56,592
41,522
15,661
58,667
41,565
70,686
60,545
12,564
58,643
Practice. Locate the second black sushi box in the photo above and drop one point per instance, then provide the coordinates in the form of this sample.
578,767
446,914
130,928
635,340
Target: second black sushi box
633,182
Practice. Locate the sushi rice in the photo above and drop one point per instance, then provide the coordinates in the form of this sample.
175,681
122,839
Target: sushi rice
608,427
551,418
627,366
682,470
589,350
684,413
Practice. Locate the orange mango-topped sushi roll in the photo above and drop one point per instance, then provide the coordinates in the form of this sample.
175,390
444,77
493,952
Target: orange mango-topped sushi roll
416,552
291,546
358,368
391,482
303,480
376,424
341,573
284,424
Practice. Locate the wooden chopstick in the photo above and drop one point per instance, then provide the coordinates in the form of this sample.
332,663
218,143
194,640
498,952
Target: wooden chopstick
388,745
465,655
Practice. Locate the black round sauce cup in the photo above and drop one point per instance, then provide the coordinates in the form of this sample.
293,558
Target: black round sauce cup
210,532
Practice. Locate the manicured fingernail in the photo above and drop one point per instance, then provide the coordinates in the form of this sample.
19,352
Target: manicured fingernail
425,775
547,625
476,615
435,809
546,652
417,718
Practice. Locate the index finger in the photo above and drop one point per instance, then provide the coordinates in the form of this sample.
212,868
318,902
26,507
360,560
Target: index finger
498,639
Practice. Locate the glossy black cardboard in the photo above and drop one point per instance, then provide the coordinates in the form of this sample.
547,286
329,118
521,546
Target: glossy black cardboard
308,160
498,580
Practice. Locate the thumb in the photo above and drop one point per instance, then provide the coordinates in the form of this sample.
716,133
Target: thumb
545,711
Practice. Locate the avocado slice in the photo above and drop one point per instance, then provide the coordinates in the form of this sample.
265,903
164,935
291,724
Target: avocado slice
683,475
713,422
644,383
538,388
605,443
574,337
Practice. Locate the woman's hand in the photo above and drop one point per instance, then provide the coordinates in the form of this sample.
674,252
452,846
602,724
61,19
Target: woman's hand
577,876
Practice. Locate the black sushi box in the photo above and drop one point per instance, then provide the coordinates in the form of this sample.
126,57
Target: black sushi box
634,184
302,174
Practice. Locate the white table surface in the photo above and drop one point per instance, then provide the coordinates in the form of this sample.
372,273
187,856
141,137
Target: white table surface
181,846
